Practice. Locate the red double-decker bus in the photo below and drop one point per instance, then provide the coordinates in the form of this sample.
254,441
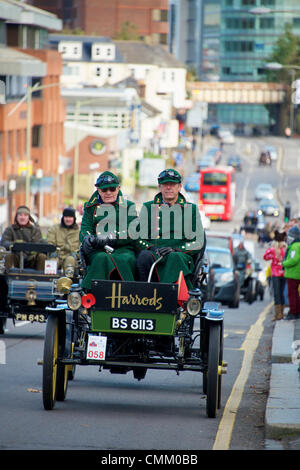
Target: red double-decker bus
217,192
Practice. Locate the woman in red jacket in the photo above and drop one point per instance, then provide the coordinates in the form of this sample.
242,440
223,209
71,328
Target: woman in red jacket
275,254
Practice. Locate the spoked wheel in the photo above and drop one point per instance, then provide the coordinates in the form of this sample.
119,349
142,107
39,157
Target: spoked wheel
213,382
2,325
55,374
220,365
250,296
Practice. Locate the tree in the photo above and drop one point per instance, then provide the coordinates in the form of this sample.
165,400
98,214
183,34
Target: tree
129,32
286,52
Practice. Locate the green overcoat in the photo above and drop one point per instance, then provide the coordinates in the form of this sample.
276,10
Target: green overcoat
102,220
179,227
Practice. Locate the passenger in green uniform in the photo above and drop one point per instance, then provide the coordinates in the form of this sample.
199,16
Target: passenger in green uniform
106,246
170,227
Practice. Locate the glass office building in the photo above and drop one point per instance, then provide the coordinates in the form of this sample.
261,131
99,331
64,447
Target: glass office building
246,43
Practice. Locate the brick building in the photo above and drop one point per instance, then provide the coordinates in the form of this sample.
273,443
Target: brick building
106,17
25,62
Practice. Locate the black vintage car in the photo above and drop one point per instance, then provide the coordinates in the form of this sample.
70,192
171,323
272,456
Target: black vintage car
128,327
25,292
265,159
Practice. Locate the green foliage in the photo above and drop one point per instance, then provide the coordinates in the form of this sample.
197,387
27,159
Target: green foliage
129,32
286,52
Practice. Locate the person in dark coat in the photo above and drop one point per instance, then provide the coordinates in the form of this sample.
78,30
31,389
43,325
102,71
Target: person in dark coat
105,223
23,230
65,236
170,228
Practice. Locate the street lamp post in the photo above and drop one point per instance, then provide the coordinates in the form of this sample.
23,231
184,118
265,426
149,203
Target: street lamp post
275,66
28,98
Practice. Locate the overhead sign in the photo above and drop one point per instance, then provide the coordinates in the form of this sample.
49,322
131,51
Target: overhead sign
197,114
149,169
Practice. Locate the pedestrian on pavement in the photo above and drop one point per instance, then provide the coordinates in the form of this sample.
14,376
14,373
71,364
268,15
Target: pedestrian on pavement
291,266
108,250
65,236
23,229
275,253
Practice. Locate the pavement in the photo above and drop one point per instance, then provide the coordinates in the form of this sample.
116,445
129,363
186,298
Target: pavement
282,418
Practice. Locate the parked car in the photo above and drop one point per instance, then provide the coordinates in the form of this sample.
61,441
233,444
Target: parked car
268,207
235,162
264,191
219,240
272,151
226,278
192,183
226,136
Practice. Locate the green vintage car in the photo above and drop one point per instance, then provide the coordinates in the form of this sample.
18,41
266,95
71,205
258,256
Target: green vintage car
133,326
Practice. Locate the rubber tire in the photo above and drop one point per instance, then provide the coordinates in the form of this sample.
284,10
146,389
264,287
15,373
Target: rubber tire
212,370
2,325
50,362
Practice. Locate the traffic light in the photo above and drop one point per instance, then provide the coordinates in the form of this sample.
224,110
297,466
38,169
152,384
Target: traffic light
287,212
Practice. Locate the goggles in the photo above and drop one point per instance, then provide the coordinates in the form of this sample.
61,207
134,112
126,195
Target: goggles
106,179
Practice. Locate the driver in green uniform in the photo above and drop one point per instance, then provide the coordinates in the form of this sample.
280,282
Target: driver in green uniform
170,228
105,244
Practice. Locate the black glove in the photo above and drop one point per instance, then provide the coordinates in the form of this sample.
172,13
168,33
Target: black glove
112,242
91,243
163,250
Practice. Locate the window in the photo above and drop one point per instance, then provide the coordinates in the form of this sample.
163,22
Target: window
109,72
266,23
98,71
296,22
37,136
238,46
164,15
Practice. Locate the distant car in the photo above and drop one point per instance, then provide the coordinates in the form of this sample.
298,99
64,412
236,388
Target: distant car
192,182
219,240
268,207
214,152
272,151
205,163
226,278
226,136
235,162
264,191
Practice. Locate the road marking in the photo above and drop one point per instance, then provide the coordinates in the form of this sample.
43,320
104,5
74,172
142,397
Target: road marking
249,346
